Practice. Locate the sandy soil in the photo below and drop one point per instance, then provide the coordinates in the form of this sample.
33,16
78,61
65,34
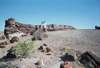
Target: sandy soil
82,40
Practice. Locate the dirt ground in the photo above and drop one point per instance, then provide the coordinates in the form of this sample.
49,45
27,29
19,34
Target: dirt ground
82,40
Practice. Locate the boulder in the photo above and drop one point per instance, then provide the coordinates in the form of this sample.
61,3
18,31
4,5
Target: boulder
11,26
2,37
38,35
97,27
14,39
44,48
90,60
3,43
66,65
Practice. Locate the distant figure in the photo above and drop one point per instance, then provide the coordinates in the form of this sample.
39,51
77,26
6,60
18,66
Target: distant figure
44,26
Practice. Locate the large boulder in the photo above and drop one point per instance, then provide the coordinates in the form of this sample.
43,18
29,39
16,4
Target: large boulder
90,60
14,39
11,26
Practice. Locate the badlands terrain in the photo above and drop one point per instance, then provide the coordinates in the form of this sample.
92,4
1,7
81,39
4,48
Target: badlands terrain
81,40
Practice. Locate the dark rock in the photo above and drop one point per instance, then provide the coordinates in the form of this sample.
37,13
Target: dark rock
46,49
11,26
97,27
33,39
90,60
2,44
45,44
14,39
40,48
2,37
9,56
67,57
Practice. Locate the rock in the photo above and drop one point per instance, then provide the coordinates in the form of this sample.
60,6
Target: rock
2,37
14,39
97,27
88,59
26,28
54,27
38,35
67,57
1,46
44,48
3,43
39,63
11,26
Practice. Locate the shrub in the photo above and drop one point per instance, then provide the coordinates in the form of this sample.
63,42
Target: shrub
23,49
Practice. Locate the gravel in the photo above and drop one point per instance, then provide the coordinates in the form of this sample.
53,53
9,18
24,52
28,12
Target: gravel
81,40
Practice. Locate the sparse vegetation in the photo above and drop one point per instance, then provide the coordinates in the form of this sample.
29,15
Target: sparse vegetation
22,49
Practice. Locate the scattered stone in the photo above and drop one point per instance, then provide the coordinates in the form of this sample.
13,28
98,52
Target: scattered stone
2,44
44,48
9,56
67,57
2,37
14,39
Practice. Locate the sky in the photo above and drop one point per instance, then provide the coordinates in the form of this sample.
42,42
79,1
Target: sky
82,14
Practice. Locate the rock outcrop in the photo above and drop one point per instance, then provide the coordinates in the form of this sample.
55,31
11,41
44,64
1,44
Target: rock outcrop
11,26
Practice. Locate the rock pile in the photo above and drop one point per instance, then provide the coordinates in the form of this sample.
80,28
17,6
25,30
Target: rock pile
44,48
3,41
11,26
14,39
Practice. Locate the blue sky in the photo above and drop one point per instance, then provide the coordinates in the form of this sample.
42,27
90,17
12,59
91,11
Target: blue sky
78,13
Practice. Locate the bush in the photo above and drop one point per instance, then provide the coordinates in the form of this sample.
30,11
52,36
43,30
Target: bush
23,49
